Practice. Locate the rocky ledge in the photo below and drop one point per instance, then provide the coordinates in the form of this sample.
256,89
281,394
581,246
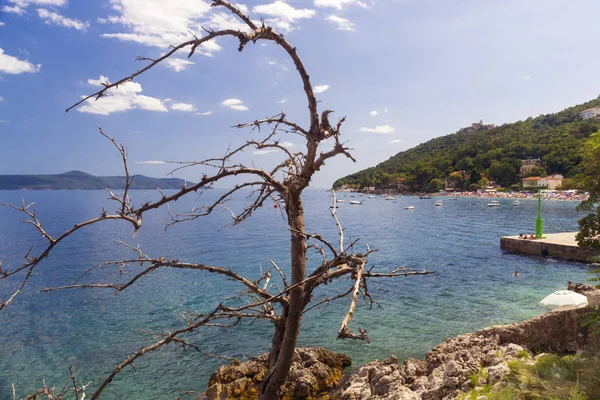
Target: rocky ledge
469,360
458,364
314,373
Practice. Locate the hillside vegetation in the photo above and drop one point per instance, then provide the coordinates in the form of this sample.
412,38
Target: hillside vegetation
493,154
80,180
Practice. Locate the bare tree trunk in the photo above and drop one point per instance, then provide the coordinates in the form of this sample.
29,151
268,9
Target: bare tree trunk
277,338
272,385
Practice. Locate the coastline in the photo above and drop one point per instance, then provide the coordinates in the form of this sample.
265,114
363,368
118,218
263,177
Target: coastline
448,369
444,373
551,195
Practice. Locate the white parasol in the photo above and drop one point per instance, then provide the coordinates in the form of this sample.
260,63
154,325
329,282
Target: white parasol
563,298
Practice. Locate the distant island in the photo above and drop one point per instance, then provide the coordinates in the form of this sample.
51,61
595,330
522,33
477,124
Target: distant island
77,180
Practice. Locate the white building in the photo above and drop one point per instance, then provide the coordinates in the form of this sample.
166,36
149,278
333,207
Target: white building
590,113
549,182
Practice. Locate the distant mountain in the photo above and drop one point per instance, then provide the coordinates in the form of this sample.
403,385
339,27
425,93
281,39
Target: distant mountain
484,150
80,180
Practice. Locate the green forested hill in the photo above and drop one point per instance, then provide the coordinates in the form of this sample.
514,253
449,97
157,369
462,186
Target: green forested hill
81,180
493,153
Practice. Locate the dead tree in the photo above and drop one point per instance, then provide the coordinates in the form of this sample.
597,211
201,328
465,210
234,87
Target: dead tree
282,303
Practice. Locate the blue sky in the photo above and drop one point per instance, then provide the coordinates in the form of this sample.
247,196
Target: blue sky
402,71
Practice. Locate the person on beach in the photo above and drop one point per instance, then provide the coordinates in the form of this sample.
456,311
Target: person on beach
570,286
520,236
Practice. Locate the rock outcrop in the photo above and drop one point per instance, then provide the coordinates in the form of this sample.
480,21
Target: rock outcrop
469,360
447,368
314,373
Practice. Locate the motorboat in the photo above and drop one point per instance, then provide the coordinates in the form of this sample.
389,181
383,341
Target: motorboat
356,202
424,197
438,203
515,203
391,198
340,201
409,207
494,203
372,196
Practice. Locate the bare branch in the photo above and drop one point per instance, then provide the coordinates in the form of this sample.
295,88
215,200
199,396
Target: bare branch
344,331
152,347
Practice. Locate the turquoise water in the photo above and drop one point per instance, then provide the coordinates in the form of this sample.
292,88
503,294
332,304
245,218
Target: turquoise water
93,330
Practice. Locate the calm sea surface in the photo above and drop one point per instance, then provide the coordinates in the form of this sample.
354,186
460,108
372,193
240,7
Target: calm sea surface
93,330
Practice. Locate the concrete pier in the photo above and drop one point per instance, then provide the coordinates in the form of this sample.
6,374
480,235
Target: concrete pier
555,245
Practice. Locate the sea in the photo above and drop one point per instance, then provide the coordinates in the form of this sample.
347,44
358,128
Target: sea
92,330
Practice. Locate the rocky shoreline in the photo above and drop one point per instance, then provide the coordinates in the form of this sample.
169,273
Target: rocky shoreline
446,370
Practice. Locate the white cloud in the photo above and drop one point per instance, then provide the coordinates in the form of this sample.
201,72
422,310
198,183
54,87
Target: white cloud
526,78
178,64
287,144
160,23
19,6
283,15
221,20
276,63
321,88
206,113
231,102
339,4
284,100
102,21
151,162
12,65
395,141
373,113
25,3
234,104
1,23
1,98
52,18
265,151
342,24
13,9
379,129
242,7
183,107
124,98
385,110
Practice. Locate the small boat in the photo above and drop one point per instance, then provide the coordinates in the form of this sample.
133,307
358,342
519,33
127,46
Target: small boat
515,203
356,202
372,196
340,201
336,206
409,207
424,197
391,198
438,203
494,203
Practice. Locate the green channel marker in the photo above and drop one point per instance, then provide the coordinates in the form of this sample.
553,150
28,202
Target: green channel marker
539,223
